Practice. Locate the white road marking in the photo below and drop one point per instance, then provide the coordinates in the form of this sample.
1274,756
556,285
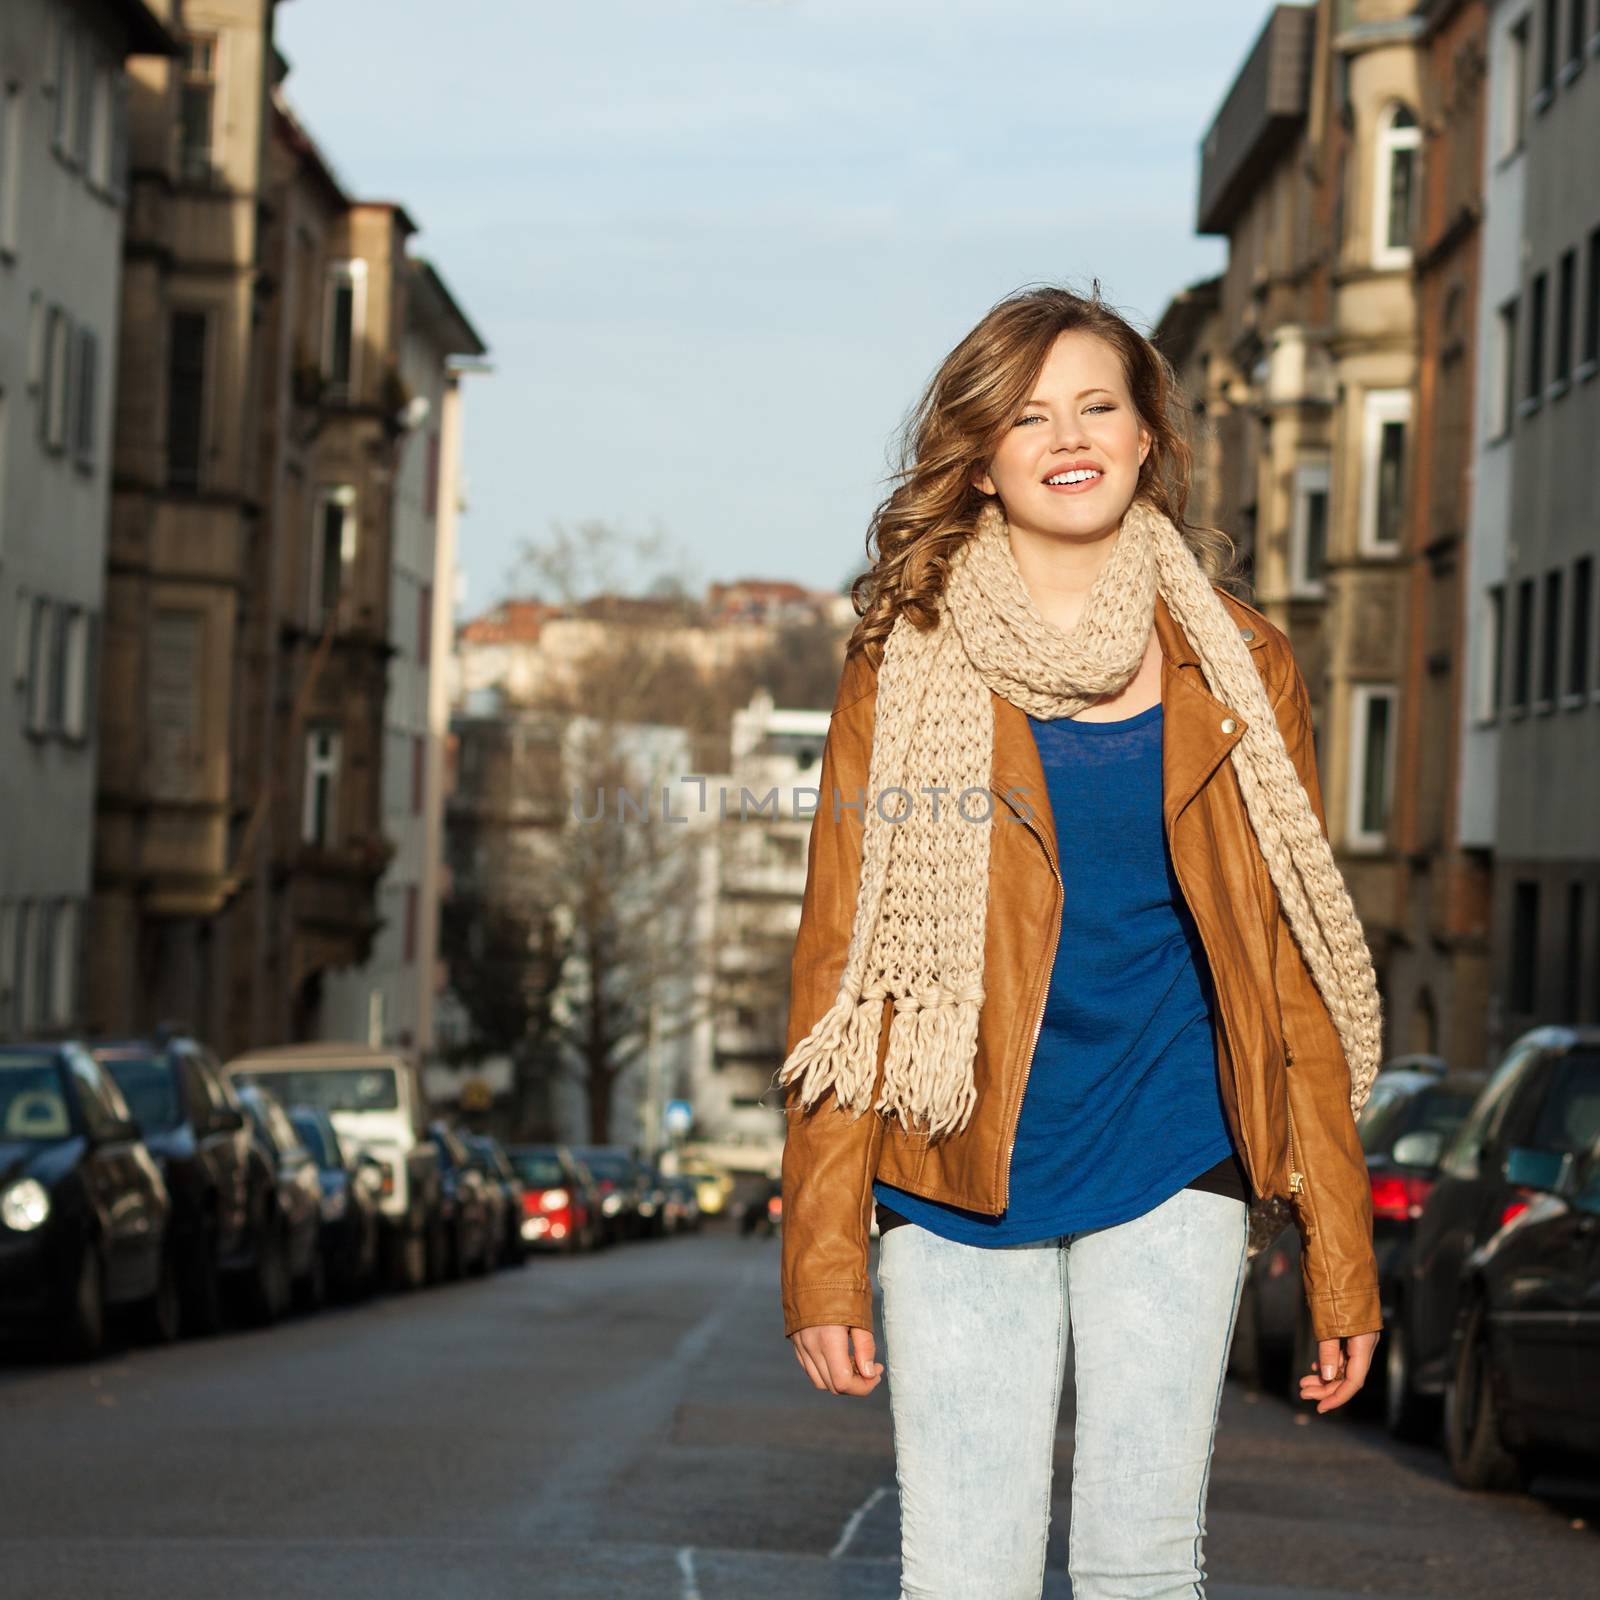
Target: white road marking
691,1588
855,1520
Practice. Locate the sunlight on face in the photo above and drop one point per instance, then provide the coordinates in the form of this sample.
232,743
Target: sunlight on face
1080,415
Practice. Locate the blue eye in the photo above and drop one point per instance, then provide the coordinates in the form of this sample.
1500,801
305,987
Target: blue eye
1099,405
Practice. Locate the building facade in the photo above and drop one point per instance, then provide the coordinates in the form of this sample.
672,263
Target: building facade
63,202
1533,715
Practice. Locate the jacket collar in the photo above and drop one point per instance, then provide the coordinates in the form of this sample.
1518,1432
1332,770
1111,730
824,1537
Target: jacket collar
1193,744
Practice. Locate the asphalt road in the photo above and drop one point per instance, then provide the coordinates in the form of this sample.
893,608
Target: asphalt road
633,1424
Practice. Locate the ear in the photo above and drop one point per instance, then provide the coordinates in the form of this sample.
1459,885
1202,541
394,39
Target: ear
983,482
1145,441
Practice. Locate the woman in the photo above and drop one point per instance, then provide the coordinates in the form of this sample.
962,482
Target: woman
1079,998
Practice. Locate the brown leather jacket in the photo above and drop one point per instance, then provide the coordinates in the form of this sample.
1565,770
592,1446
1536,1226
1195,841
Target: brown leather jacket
1284,1082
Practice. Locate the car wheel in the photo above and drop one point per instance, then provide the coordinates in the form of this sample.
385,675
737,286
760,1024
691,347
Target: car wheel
1407,1415
270,1285
203,1310
160,1318
1472,1444
312,1289
84,1333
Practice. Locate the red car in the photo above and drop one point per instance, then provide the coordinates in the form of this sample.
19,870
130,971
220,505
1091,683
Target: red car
560,1208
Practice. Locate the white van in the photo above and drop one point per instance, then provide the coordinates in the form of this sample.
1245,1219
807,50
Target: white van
374,1098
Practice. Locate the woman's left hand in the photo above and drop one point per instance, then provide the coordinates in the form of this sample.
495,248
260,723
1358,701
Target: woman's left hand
1348,1360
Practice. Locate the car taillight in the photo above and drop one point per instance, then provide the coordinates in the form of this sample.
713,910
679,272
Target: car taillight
1514,1208
1399,1198
554,1199
386,1184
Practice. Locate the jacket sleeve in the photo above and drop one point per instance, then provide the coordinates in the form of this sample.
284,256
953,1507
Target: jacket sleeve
829,1155
1333,1205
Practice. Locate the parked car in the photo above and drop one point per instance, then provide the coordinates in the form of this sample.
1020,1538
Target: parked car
1411,1111
621,1185
683,1204
221,1187
713,1184
351,1180
374,1097
501,1177
654,1202
85,1215
294,1238
561,1202
1538,1103
468,1219
1524,1390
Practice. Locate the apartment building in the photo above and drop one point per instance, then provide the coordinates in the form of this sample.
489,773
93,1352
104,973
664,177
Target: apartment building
1439,971
63,208
186,514
1531,722
1309,169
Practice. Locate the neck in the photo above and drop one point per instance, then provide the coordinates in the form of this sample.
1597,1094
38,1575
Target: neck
1059,569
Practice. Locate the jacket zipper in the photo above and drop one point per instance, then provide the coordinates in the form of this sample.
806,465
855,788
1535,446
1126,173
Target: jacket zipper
1044,995
1297,1180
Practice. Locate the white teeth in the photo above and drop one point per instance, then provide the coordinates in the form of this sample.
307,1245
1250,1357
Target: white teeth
1072,477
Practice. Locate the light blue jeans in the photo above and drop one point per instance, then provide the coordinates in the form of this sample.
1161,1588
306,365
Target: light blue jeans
975,1343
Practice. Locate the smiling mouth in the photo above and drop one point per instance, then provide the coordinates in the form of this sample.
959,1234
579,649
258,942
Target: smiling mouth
1073,480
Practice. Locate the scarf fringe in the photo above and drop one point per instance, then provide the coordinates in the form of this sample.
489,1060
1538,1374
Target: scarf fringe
840,1053
927,1074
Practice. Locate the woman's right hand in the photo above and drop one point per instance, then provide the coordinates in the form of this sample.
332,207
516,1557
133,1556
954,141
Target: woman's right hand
825,1353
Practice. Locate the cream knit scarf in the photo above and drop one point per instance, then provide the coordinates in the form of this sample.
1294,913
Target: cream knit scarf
918,931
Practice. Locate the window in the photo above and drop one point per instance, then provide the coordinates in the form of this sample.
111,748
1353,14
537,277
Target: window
196,107
1548,34
41,658
1308,532
411,923
1387,422
83,396
1503,381
430,488
1569,1111
1535,376
76,635
63,981
1566,295
1524,944
66,87
1578,643
103,1106
419,767
1550,641
1514,115
1522,648
319,821
1591,304
57,378
10,162
117,136
20,973
186,379
1575,32
1493,683
344,325
83,101
333,553
173,687
1399,150
425,626
1372,771
1572,949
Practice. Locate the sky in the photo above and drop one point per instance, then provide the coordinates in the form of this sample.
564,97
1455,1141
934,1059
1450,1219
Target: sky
717,247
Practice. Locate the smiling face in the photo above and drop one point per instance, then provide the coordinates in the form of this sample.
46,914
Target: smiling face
1079,429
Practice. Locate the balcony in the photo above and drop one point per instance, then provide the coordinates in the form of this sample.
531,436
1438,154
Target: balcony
1265,105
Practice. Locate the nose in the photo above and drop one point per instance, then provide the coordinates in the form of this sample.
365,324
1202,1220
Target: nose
1068,433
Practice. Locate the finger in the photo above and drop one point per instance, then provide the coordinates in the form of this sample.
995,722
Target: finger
808,1360
1330,1358
866,1352
835,1345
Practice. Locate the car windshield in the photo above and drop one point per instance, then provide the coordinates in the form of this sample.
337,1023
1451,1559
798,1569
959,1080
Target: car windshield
32,1106
150,1086
539,1167
314,1136
332,1089
618,1169
1432,1110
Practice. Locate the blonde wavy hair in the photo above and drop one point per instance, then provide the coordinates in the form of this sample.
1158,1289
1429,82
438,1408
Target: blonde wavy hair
954,429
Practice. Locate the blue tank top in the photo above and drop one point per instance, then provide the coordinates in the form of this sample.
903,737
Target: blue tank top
1122,1106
